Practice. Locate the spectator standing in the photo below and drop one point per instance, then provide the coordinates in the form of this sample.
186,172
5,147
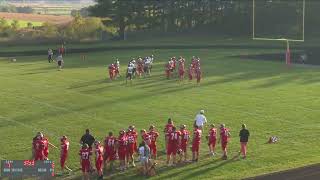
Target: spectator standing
200,119
244,138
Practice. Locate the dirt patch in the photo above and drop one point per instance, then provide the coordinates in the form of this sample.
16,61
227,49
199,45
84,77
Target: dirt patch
37,17
311,57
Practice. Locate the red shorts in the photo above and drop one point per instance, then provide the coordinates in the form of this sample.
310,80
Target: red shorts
109,156
224,145
99,164
183,147
111,74
85,165
63,159
122,154
131,149
167,73
153,149
39,156
212,142
46,153
181,73
198,76
172,149
135,147
190,76
140,69
195,147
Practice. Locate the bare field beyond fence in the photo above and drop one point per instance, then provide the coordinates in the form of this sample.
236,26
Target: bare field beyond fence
53,19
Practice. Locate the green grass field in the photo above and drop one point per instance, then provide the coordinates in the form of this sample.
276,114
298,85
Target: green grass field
269,97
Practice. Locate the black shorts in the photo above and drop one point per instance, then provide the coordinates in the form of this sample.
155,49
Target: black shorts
59,63
49,57
129,75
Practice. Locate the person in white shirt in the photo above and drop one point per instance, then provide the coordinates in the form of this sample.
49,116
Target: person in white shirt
60,62
200,119
50,55
144,152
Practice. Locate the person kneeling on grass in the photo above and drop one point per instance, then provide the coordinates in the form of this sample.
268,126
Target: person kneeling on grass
144,152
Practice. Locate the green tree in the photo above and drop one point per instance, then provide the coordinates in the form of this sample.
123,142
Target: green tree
120,11
29,25
15,24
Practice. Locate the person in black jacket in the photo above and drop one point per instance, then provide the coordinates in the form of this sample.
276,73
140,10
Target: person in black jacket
244,137
87,138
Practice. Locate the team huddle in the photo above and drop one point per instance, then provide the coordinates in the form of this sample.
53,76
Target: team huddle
125,146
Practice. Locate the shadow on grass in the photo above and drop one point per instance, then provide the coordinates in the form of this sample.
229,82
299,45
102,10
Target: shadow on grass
204,168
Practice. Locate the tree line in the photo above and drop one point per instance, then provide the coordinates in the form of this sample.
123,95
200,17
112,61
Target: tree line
216,16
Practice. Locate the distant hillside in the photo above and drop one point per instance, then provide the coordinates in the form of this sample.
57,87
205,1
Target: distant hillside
37,18
52,7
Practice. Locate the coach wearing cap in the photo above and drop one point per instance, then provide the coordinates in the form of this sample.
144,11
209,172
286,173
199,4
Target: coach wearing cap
200,119
87,138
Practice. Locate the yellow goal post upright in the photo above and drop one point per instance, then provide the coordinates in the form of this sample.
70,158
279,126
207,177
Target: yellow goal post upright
288,54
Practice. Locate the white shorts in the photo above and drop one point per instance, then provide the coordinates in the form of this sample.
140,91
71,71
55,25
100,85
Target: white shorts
144,160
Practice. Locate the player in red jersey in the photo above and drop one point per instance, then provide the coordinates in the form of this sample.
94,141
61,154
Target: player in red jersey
46,147
99,158
34,140
224,139
117,68
198,73
61,50
109,150
190,72
135,133
39,147
140,66
145,137
196,143
153,145
181,68
64,149
131,136
212,138
173,145
85,154
173,63
193,62
185,136
168,69
112,70
168,129
122,142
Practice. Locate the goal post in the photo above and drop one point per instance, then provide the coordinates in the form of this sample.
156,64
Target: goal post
284,39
